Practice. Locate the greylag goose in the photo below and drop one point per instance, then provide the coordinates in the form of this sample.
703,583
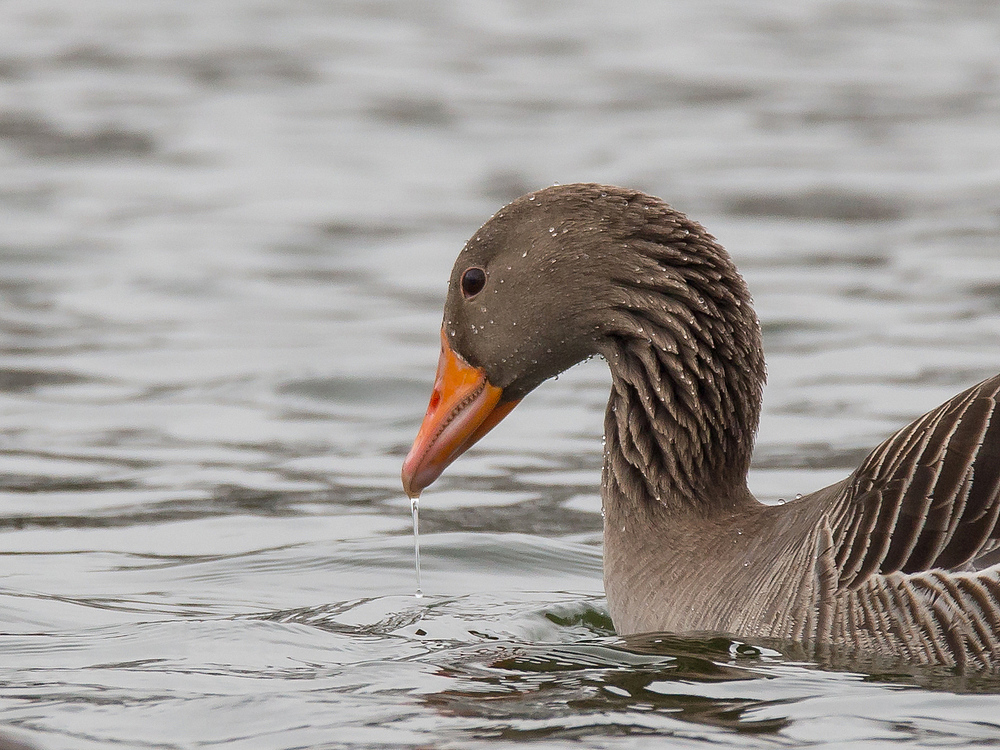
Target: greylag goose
900,557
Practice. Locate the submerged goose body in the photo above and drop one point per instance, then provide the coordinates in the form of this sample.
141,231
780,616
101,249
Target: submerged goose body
901,557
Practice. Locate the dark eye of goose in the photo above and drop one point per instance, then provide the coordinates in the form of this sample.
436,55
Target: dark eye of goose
473,281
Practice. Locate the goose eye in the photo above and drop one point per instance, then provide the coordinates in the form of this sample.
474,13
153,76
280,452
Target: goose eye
473,281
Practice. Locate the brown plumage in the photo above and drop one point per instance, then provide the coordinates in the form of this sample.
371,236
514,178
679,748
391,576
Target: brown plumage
898,558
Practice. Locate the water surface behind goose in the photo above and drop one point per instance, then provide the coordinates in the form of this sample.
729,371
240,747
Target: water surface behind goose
227,232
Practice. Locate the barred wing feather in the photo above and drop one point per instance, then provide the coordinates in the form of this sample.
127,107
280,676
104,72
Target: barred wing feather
928,497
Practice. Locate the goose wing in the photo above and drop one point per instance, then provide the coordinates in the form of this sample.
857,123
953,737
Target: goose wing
928,497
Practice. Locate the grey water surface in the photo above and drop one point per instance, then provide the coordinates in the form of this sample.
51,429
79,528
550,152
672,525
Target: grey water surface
225,238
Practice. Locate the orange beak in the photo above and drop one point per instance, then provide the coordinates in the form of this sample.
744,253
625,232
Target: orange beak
464,406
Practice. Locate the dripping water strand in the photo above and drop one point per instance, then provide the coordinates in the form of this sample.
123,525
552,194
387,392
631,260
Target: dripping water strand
416,542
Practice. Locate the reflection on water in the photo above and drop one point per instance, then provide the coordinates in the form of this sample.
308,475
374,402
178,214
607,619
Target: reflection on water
225,240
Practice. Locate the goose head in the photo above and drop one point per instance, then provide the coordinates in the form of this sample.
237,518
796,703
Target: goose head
573,271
